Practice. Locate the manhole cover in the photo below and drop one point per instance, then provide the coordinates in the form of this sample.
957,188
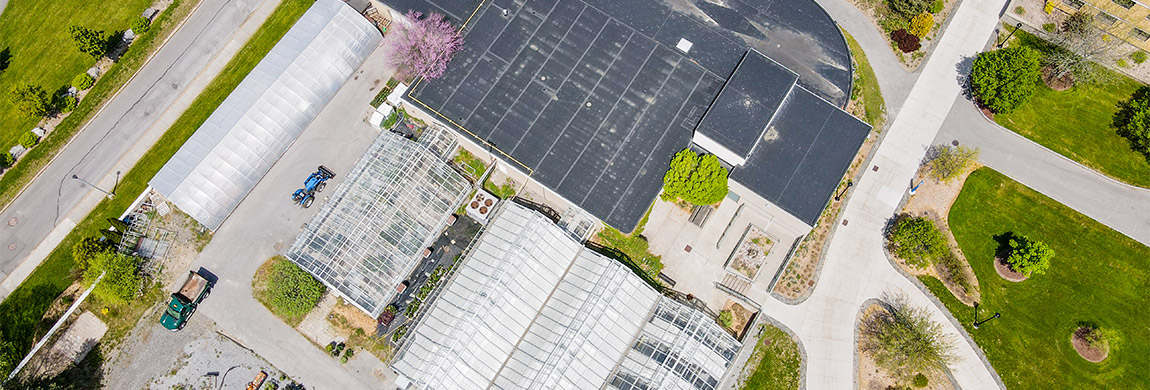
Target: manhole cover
13,221
12,246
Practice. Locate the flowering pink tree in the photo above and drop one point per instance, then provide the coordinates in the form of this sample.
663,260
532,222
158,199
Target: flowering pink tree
423,46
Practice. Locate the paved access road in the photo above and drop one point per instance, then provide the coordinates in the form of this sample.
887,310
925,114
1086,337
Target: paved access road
93,154
266,223
1123,207
856,268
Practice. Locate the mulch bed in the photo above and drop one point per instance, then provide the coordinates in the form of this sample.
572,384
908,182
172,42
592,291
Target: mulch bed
1005,272
1058,84
1091,354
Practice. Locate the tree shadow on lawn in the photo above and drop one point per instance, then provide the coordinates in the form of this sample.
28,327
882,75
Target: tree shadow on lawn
22,315
1003,241
5,59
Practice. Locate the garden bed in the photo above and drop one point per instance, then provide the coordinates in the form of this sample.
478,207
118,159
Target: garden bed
751,253
888,21
775,364
872,376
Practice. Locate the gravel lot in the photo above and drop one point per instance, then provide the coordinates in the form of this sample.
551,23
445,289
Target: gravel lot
154,358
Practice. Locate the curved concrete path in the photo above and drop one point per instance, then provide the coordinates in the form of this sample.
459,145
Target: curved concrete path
856,268
1123,207
893,80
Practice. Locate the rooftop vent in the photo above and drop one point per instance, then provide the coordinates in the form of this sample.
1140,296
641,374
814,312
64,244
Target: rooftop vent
481,205
684,45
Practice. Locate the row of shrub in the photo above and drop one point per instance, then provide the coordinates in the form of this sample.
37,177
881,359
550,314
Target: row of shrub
33,100
910,21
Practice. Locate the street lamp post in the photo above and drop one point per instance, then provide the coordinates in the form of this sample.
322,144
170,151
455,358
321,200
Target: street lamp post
839,196
978,323
110,194
1016,27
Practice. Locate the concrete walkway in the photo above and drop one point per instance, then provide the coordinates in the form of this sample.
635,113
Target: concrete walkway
122,131
856,268
1123,207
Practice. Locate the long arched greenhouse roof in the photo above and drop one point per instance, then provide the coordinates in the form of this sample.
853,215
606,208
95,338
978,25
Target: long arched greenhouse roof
217,167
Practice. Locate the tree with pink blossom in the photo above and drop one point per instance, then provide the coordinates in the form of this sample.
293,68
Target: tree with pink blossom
423,46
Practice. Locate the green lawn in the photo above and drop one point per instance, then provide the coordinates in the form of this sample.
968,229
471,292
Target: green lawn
1097,275
866,86
36,33
777,362
1076,123
20,314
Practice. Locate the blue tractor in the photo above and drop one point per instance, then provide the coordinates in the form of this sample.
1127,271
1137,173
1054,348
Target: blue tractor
315,183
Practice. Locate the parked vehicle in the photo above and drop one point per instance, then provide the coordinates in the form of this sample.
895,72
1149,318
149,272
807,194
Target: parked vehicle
315,183
184,302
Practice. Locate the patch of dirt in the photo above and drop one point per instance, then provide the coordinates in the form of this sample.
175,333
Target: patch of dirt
751,252
739,317
1006,272
355,318
1057,83
798,279
872,377
1093,354
933,200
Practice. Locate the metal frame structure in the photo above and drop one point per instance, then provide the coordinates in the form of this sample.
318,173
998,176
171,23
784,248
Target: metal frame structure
369,236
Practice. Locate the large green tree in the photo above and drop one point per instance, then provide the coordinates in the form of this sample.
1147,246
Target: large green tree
87,248
697,179
91,42
30,99
1132,121
949,162
294,291
1029,256
917,241
1003,79
122,277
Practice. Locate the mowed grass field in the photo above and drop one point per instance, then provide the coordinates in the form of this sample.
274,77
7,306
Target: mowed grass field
1076,123
1097,275
35,32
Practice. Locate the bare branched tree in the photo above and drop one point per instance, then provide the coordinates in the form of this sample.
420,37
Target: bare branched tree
904,340
1079,48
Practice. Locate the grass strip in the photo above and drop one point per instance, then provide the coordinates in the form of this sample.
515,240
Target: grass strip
1098,275
777,362
20,314
38,48
866,87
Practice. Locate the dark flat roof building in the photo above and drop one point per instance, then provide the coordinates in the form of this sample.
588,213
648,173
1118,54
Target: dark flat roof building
592,98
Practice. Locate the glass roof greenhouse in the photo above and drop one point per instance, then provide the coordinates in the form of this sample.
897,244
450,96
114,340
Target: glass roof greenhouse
531,308
368,237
